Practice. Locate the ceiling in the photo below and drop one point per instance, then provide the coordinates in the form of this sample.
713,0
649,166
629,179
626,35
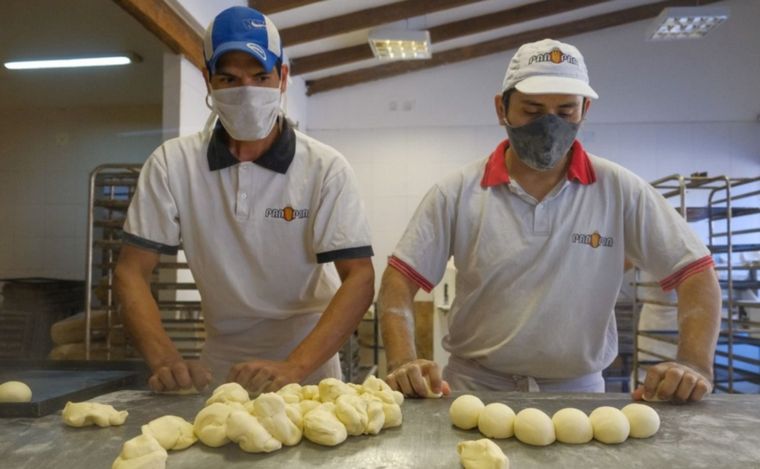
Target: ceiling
45,28
326,40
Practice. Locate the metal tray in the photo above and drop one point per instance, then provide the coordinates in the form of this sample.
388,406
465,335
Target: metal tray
55,383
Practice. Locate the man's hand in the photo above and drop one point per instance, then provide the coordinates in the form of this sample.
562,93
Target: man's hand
259,376
673,381
410,378
180,374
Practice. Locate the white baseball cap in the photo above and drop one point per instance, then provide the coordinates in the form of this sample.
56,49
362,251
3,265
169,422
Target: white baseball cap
548,66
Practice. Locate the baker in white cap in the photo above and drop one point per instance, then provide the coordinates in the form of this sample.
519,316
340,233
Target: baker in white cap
539,231
269,219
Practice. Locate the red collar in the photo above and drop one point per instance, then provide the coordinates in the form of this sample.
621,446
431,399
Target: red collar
579,169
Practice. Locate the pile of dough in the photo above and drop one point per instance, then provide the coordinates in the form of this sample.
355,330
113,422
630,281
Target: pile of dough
482,454
534,427
269,409
229,392
465,411
572,426
82,414
210,424
497,420
142,452
610,425
245,429
323,427
15,391
171,432
643,419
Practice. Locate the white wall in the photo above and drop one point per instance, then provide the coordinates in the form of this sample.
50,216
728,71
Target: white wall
46,156
664,107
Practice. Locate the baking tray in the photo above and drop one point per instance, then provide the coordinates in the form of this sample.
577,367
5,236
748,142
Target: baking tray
55,383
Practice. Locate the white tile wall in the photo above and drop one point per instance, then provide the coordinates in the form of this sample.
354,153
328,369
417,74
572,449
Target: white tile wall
44,176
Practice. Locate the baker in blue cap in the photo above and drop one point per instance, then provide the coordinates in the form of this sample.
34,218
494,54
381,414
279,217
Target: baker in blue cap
270,221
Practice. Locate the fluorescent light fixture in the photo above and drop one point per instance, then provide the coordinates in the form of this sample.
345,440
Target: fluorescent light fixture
390,44
686,22
71,63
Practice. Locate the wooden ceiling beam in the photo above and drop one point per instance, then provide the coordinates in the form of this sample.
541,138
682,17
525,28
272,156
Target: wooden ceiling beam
444,32
364,19
168,26
494,46
274,6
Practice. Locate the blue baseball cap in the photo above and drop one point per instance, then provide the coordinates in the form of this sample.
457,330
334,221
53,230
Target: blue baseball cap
242,29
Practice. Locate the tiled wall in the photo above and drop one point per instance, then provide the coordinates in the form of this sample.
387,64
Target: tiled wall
46,156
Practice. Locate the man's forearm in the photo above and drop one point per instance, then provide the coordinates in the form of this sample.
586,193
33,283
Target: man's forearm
699,305
339,320
142,320
395,306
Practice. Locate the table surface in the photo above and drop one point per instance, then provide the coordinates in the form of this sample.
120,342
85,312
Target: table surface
721,431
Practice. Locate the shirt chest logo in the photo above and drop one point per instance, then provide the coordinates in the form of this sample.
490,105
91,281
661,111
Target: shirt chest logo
594,240
287,213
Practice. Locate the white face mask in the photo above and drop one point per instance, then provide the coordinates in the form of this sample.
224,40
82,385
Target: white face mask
247,112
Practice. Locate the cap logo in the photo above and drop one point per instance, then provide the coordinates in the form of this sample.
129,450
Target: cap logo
251,23
257,49
554,56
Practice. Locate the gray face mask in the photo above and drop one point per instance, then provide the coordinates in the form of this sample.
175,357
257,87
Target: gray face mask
540,144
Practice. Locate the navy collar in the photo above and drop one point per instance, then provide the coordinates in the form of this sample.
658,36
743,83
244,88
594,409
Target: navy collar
277,158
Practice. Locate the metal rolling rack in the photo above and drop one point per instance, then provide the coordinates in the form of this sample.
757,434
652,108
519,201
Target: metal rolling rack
730,208
111,189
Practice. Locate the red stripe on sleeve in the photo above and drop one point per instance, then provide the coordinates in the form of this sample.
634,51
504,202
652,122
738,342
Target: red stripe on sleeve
672,281
410,273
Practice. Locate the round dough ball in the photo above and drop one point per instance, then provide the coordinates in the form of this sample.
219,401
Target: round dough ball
15,391
497,420
643,419
610,425
572,426
482,454
534,427
465,411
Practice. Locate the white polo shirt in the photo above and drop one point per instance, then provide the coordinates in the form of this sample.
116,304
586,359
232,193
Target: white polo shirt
537,282
260,237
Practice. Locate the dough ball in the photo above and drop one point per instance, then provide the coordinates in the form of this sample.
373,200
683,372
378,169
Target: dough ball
610,425
429,390
308,405
290,393
172,432
374,383
83,414
310,392
322,427
534,427
643,419
351,410
497,420
465,411
393,415
572,426
142,452
375,414
229,392
269,408
210,424
331,388
245,429
482,454
398,396
15,391
293,411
